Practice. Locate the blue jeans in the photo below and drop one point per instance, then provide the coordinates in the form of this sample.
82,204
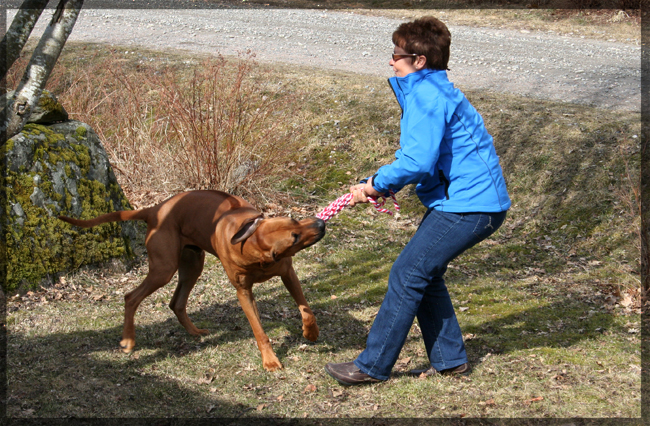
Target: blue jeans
416,287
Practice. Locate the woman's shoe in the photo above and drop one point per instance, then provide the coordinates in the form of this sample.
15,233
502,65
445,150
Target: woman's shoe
348,374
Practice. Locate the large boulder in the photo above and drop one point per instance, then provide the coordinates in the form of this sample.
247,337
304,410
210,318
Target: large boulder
60,169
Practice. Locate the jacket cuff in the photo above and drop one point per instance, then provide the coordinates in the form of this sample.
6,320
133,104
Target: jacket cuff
375,187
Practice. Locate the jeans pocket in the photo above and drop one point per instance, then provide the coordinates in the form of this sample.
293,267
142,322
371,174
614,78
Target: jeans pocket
487,224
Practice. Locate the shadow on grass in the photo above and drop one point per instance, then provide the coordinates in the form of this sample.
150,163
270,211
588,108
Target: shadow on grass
532,313
68,374
64,376
561,323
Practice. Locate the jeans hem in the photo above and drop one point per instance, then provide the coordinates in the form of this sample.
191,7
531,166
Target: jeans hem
366,371
453,364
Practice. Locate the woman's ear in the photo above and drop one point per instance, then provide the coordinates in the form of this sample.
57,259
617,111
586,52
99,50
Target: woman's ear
420,62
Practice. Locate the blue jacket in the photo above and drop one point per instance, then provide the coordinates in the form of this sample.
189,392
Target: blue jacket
444,148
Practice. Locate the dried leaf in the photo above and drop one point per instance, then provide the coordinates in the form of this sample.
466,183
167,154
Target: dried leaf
336,393
310,388
261,407
403,362
626,301
536,399
280,398
205,380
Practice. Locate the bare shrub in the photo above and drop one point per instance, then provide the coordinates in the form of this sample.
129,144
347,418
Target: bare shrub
115,99
234,130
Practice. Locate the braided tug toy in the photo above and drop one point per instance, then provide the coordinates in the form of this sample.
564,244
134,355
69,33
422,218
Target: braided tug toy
340,203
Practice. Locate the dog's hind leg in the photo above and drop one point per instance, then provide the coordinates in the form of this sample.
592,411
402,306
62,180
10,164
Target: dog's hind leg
309,326
189,270
163,263
269,360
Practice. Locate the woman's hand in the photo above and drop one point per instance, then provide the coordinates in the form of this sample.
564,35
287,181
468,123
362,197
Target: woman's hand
361,192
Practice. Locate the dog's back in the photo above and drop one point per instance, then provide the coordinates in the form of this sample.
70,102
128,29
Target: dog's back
209,200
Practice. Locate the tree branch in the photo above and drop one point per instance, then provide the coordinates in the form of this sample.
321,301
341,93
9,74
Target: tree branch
41,64
16,36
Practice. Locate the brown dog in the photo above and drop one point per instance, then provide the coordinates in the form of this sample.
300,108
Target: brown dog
251,249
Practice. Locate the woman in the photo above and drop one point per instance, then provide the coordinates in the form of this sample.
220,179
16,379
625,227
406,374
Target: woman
447,152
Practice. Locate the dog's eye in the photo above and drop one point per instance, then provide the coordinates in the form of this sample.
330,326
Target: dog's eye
296,237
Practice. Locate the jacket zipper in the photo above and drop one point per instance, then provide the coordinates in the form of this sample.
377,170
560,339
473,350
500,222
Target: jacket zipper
395,94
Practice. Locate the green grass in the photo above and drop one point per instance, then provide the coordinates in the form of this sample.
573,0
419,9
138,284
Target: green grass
548,302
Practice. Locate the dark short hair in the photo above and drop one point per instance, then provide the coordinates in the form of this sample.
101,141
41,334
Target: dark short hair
426,36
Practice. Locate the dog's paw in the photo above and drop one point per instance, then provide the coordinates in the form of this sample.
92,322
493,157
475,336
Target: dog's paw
272,365
200,332
127,345
310,332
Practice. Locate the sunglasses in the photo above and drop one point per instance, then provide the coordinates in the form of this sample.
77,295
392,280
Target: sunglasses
397,56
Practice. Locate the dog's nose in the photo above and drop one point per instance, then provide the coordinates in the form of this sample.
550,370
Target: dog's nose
319,224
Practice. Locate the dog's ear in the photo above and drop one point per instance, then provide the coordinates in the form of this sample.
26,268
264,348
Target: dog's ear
246,229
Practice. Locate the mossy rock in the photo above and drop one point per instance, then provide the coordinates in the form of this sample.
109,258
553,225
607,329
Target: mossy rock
60,169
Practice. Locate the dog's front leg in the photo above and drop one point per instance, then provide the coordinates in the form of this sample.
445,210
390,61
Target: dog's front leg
269,360
309,326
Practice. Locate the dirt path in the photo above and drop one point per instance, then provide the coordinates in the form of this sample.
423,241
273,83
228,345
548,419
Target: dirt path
598,73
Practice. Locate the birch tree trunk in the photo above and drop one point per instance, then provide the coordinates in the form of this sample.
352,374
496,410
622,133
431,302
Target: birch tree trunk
16,36
41,64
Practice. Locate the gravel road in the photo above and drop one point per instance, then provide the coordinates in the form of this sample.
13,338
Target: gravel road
578,70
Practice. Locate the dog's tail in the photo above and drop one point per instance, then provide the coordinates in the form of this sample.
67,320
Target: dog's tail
108,217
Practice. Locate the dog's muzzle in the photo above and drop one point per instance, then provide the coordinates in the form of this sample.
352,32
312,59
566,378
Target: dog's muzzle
319,225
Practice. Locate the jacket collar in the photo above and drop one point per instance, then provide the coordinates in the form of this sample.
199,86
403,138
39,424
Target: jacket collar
402,86
408,83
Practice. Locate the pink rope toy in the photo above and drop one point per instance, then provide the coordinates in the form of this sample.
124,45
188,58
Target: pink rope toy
340,203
